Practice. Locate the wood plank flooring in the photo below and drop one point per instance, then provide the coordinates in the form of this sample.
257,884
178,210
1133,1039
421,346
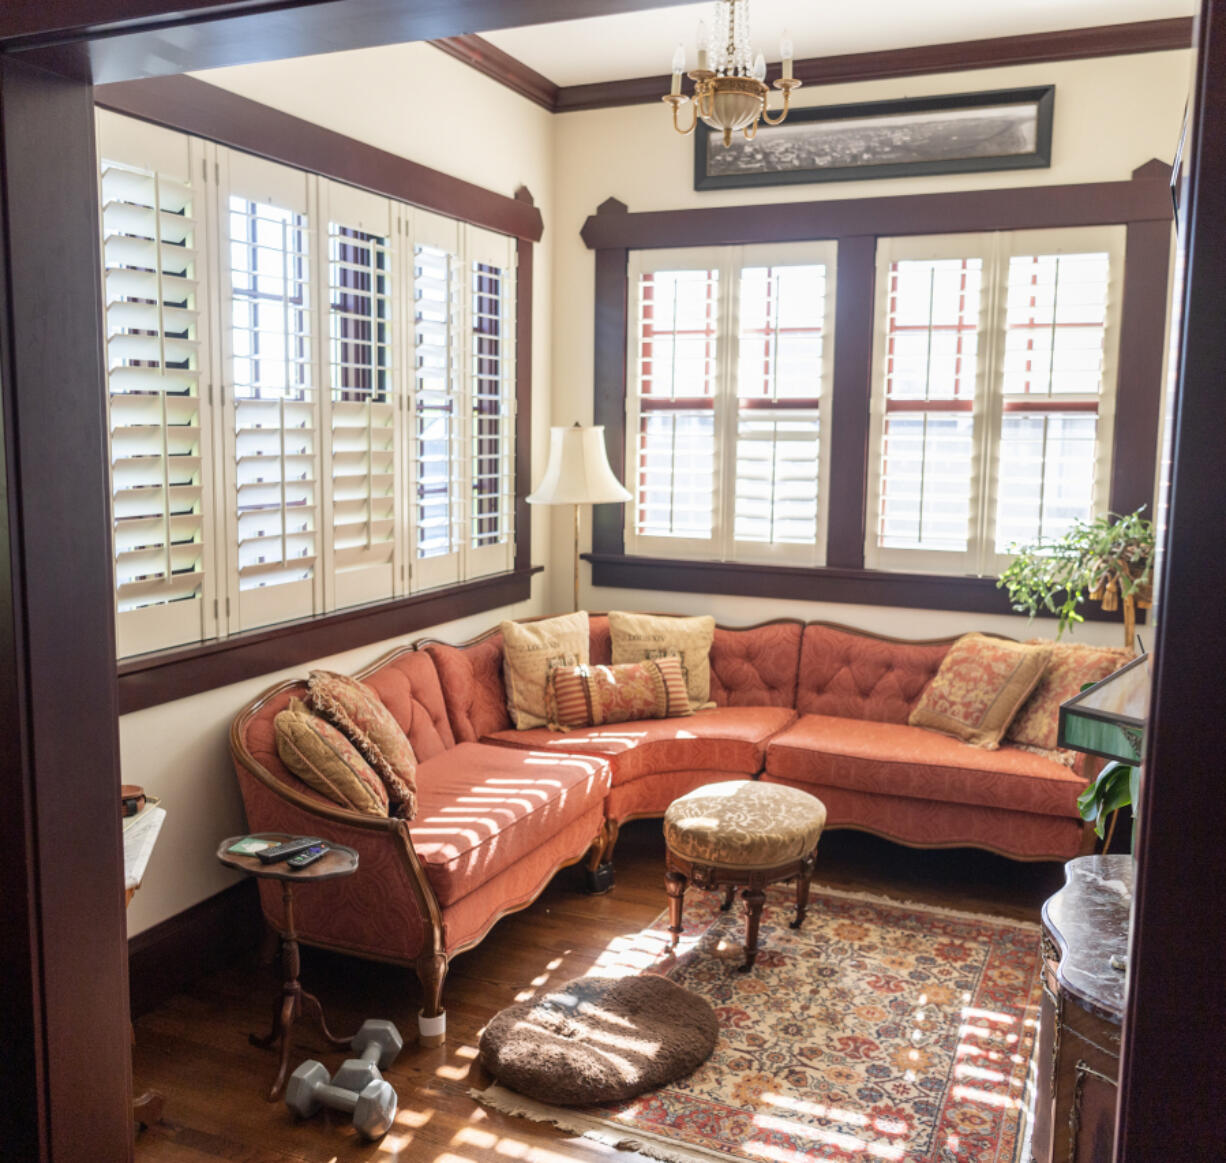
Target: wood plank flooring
194,1048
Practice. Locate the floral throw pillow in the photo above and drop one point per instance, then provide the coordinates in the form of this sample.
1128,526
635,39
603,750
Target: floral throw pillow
360,714
319,755
590,696
1072,666
981,684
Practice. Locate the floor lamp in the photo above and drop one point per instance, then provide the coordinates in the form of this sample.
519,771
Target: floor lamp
578,473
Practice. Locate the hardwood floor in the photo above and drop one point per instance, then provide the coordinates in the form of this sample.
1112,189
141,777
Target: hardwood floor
194,1048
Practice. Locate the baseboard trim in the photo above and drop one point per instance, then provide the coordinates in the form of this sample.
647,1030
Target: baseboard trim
172,955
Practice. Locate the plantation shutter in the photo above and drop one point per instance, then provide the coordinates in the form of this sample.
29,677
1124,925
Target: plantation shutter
361,407
1062,292
436,420
674,365
784,329
490,539
927,403
272,402
154,241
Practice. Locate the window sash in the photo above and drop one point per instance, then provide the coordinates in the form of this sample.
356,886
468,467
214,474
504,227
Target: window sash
967,421
695,415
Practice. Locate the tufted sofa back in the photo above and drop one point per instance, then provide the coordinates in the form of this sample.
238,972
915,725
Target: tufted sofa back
756,667
408,684
859,676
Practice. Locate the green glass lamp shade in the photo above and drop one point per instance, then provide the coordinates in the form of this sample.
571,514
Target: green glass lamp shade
1108,719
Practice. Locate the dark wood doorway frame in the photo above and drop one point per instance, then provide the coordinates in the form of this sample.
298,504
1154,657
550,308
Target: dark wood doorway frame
65,999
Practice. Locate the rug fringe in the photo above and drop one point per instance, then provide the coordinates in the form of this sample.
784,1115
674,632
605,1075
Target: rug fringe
576,1122
939,910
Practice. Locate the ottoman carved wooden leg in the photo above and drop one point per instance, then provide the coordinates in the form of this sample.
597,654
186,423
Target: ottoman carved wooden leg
675,883
746,835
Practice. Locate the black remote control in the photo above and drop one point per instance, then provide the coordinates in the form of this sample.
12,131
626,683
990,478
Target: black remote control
289,848
318,852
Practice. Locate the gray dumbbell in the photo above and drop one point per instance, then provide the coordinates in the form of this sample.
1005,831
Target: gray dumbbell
374,1110
378,1043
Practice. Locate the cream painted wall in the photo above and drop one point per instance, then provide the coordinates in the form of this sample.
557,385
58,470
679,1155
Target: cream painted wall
393,98
1111,115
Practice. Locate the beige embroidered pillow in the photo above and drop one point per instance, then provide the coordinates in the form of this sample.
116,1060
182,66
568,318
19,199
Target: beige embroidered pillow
529,651
319,755
981,684
639,636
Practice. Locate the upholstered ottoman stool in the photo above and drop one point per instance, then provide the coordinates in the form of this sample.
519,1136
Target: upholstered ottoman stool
741,834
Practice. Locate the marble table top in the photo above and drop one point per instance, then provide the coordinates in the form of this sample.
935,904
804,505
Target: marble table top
138,841
1088,919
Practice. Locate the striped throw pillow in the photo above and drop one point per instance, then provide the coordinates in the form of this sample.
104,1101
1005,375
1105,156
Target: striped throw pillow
591,696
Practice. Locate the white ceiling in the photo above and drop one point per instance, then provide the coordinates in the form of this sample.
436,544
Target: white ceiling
640,44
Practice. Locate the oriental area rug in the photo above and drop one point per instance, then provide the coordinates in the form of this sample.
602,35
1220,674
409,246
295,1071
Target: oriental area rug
881,1030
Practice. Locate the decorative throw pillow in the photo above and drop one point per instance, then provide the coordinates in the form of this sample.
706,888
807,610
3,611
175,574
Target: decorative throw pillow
979,687
1072,666
589,696
530,650
360,714
639,636
319,755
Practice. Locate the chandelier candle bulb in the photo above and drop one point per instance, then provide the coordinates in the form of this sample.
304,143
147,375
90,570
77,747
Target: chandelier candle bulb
785,54
700,38
678,68
759,68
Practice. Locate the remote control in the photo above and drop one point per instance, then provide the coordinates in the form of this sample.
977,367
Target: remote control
318,852
288,849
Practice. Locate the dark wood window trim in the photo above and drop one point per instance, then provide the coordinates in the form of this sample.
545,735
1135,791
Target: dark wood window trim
1141,204
151,679
191,106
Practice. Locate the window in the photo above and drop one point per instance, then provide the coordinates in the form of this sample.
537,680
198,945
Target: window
312,391
993,393
728,402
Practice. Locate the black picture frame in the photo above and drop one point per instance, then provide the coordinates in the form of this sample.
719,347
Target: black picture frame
1042,97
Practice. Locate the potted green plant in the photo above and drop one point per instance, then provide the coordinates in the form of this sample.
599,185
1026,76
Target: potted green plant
1115,787
1109,560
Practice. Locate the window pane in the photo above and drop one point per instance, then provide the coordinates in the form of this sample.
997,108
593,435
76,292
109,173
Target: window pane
678,325
932,329
363,412
1055,324
1046,476
274,398
676,474
780,341
926,461
436,430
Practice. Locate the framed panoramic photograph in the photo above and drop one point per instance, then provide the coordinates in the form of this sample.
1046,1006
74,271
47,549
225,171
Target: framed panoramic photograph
1009,129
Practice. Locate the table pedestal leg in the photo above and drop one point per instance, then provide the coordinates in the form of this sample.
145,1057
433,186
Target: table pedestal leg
294,1002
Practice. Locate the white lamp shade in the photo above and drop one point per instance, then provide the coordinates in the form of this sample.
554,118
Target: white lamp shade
578,471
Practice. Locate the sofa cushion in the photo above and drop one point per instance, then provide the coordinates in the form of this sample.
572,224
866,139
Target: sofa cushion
893,759
355,708
639,636
721,739
588,696
756,667
471,679
326,761
858,676
408,686
482,808
1072,665
981,684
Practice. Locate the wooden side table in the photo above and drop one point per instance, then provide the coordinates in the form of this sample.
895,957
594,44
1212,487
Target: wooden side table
1085,935
294,1002
140,834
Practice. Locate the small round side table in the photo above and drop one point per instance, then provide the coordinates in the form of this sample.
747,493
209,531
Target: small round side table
294,1002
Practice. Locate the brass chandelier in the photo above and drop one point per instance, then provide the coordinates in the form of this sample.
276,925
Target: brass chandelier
730,89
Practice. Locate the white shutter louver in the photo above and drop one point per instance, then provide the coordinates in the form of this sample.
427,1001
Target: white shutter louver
362,410
437,420
274,488
491,444
152,271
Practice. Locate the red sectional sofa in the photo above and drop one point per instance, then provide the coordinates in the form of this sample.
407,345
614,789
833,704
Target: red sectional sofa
815,706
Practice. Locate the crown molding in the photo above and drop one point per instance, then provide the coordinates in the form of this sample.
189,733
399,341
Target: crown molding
1036,48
